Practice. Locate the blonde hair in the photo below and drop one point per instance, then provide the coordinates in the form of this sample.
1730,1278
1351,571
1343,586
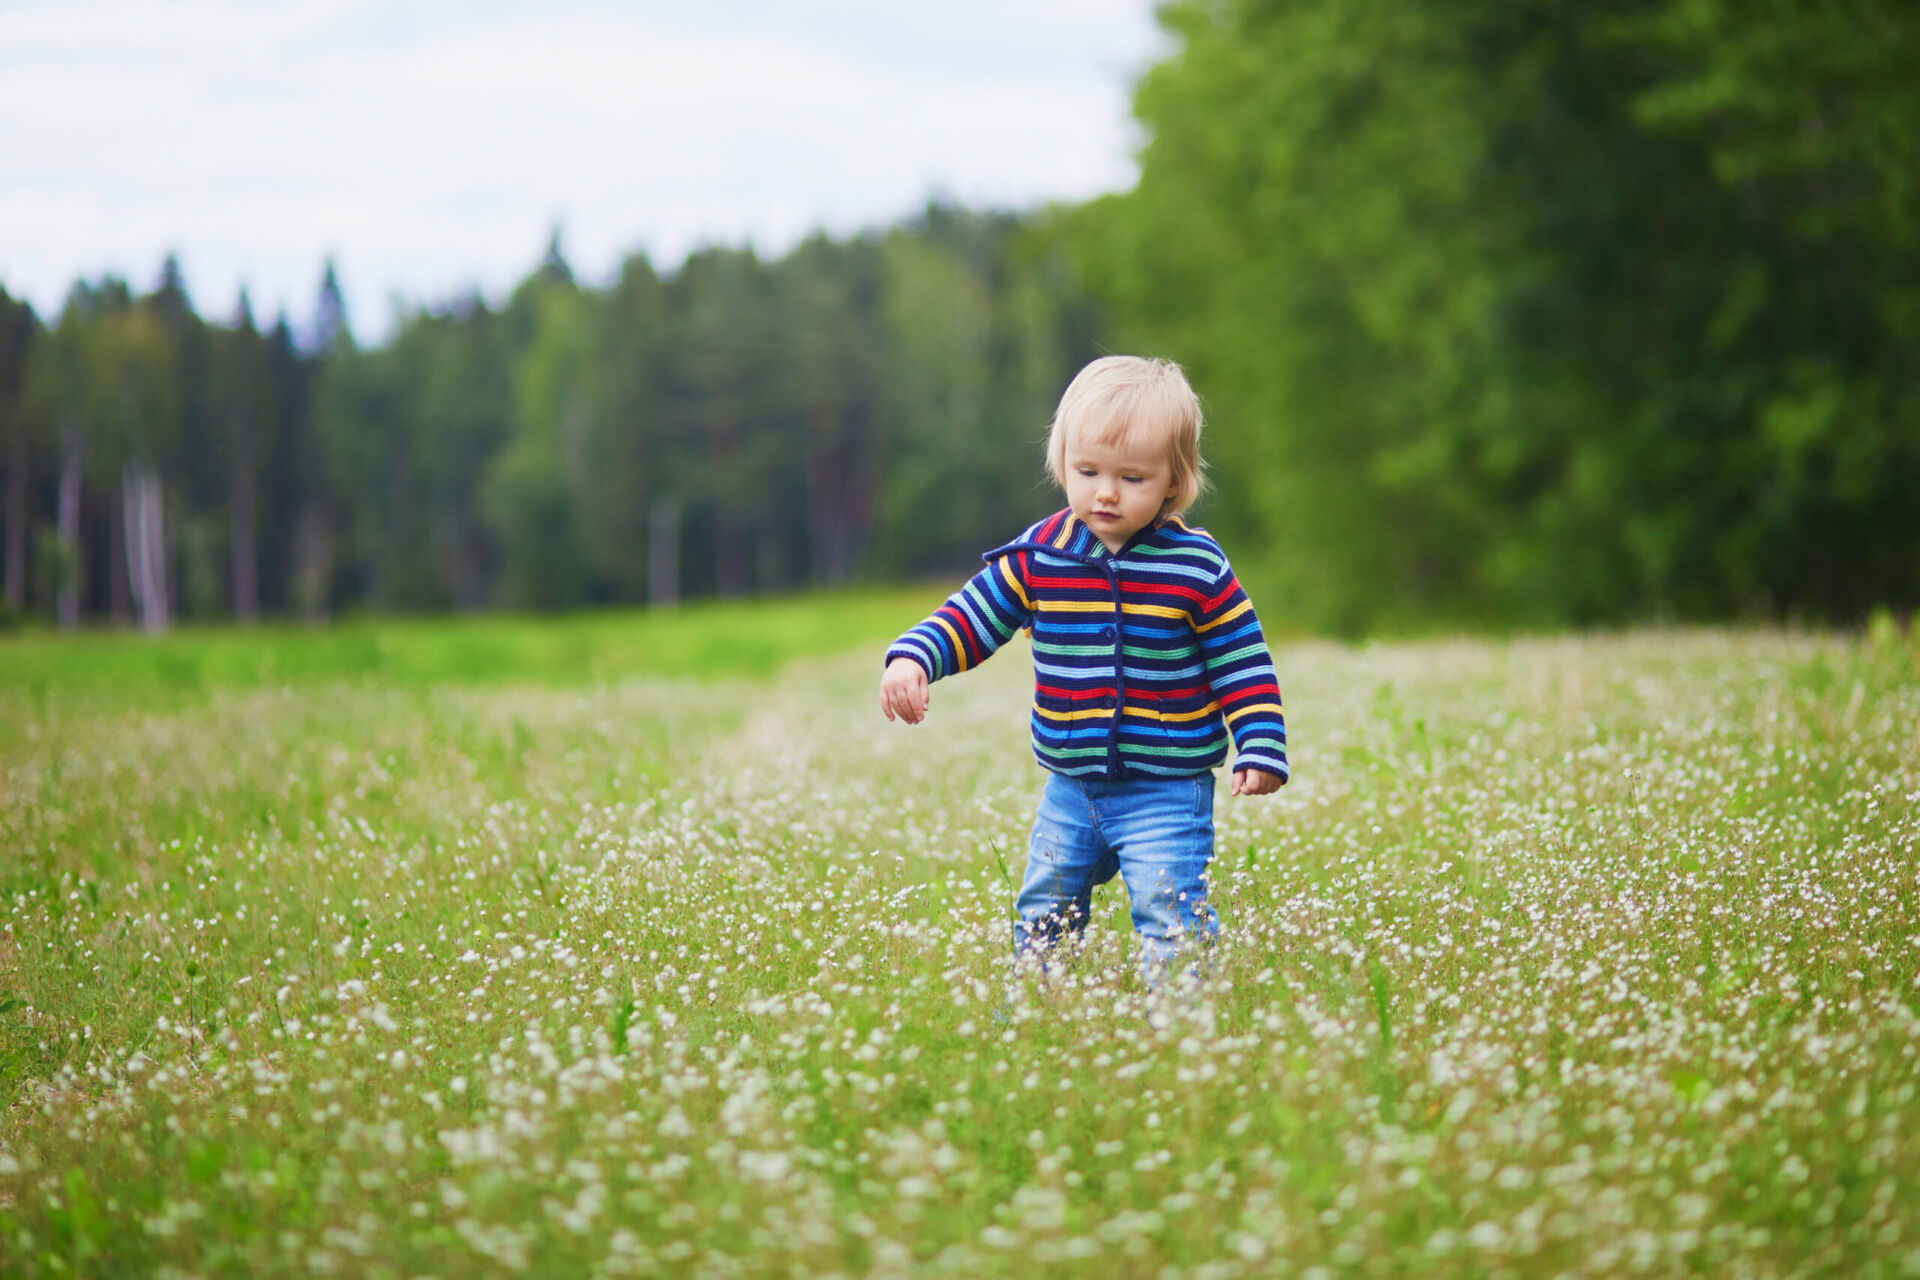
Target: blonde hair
1133,403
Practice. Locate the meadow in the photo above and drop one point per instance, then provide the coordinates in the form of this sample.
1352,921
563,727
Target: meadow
644,946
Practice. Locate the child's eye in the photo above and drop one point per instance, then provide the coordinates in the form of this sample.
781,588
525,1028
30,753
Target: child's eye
1134,479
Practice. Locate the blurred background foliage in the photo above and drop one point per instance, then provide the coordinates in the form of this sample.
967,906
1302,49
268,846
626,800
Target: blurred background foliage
1517,313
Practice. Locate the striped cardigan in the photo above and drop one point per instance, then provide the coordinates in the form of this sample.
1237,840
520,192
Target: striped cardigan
1144,659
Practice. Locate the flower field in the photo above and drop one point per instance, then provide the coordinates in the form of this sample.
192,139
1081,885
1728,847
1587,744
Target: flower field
1586,956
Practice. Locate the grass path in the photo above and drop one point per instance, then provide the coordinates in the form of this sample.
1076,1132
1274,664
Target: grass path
1584,956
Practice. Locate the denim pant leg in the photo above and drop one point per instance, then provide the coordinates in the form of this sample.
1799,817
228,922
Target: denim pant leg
1162,830
1065,860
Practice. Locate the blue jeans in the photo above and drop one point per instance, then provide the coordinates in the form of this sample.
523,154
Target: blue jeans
1156,833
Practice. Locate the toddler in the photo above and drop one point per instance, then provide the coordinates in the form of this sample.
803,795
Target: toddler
1147,657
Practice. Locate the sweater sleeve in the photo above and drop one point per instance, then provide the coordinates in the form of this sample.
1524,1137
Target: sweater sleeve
974,622
1240,672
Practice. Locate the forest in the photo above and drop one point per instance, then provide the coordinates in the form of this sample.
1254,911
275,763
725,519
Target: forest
737,426
1515,314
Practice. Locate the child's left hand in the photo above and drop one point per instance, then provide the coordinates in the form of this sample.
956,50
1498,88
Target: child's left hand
1255,782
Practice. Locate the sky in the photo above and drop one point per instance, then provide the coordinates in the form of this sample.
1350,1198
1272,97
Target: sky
432,147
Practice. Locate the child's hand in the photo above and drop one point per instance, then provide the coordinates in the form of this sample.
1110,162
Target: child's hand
903,690
1255,782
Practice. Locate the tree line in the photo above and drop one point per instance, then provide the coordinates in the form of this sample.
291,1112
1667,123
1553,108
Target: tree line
1541,312
869,407
1503,310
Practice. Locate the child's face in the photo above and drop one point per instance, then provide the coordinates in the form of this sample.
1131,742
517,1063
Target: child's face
1115,491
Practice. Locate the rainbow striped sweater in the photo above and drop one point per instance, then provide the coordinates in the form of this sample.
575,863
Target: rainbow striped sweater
1144,659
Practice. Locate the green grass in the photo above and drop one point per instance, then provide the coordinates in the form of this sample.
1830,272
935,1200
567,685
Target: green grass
709,638
643,946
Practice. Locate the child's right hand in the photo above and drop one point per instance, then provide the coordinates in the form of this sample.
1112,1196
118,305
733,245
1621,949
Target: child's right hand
903,690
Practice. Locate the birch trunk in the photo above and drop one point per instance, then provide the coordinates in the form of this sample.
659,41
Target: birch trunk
146,547
134,529
73,456
119,600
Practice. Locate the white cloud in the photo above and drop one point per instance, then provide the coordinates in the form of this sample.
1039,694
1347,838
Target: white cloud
431,146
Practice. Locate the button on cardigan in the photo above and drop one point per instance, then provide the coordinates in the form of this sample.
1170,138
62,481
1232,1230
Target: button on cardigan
1146,661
